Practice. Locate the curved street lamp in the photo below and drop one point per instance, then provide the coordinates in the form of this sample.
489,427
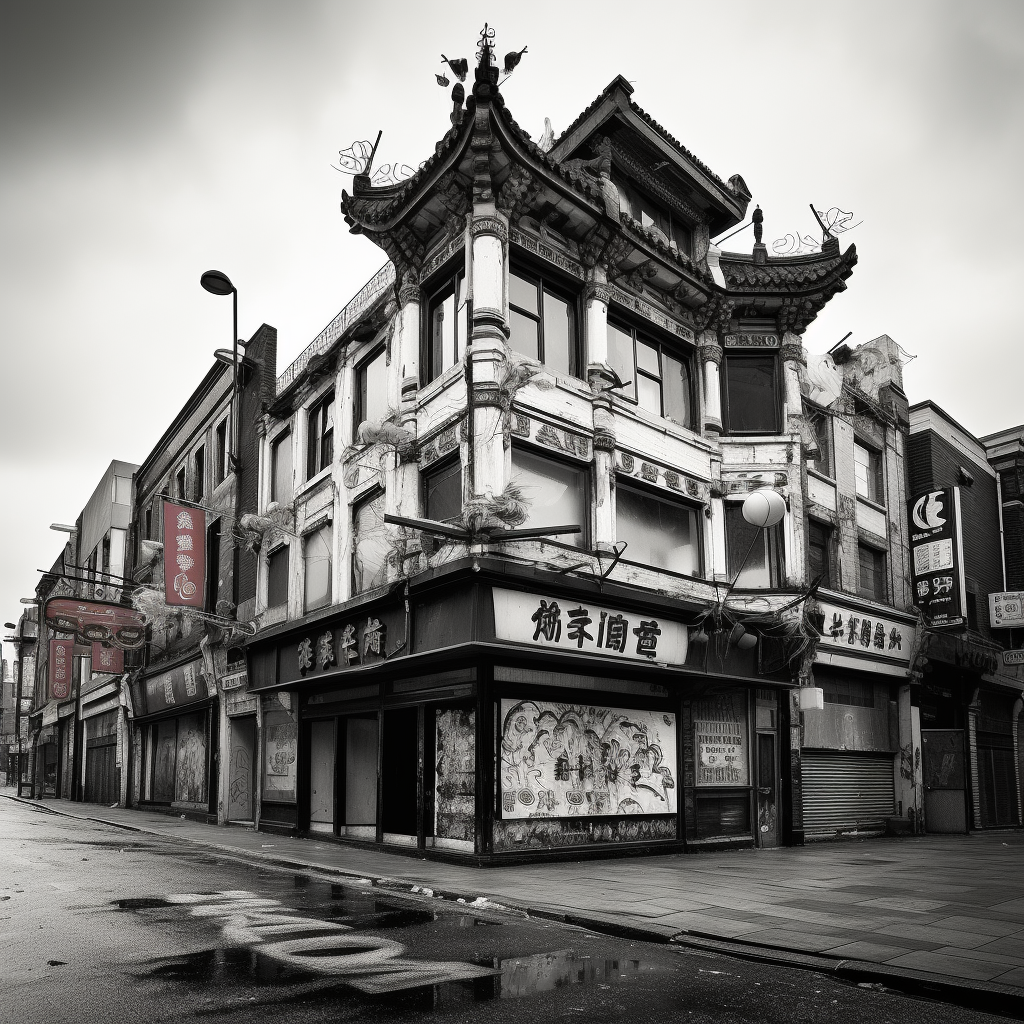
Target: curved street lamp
218,283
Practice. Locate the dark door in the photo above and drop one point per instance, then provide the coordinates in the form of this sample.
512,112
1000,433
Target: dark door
767,791
942,764
398,772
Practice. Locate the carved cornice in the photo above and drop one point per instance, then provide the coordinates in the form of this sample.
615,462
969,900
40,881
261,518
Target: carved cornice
517,192
638,170
794,351
489,226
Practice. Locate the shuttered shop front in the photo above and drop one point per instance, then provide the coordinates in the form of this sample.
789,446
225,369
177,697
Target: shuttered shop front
846,791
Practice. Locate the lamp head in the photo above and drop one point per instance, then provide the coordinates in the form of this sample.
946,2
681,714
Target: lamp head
217,283
764,508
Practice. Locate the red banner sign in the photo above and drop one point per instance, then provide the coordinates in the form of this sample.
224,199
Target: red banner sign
107,659
96,622
62,658
184,555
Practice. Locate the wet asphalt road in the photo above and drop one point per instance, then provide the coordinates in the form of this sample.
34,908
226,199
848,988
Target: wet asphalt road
101,924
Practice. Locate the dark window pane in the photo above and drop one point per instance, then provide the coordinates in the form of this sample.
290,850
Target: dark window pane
316,553
760,566
823,462
849,692
647,359
370,545
648,394
524,335
220,465
443,335
676,388
556,494
751,394
277,578
872,573
200,473
682,237
868,466
444,494
557,333
523,293
620,358
819,561
657,532
281,469
320,442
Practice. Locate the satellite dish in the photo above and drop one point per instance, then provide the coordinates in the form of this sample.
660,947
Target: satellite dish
824,377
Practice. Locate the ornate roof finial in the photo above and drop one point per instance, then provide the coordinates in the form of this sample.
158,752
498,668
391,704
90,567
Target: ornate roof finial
485,47
758,219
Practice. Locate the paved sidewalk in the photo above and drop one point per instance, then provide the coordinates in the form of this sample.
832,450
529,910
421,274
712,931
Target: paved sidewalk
931,906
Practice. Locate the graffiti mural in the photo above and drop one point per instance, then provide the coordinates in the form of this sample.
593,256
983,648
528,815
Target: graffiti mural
455,792
190,773
564,760
548,833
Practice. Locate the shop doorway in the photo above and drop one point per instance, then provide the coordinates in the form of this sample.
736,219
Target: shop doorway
362,739
942,764
767,791
240,769
399,778
321,776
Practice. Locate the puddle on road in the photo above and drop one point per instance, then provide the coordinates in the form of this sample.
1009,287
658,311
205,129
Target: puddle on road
330,943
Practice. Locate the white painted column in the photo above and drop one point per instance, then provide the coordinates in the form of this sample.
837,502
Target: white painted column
717,567
596,320
794,360
711,359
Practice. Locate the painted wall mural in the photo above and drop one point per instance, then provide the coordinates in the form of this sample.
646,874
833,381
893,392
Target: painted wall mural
190,773
548,833
455,792
565,760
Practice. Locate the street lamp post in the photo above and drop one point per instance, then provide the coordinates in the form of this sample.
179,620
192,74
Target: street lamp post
218,283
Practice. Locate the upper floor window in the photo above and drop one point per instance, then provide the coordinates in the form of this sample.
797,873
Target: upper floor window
654,216
370,544
753,556
871,579
281,468
822,462
658,380
658,532
277,577
179,483
317,551
220,451
543,322
372,389
819,552
868,465
449,329
556,493
442,493
122,490
199,468
848,691
751,393
320,436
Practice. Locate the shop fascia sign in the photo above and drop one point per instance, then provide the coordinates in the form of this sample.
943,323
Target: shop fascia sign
543,620
1006,609
937,558
850,630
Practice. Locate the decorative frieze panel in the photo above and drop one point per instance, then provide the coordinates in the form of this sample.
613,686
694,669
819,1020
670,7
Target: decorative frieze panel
659,476
655,316
447,440
744,483
441,256
561,440
546,252
745,340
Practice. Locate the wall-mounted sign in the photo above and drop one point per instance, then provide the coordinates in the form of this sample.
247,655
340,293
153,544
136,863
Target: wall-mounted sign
752,341
183,685
1013,657
107,659
720,736
1006,610
235,680
570,624
96,622
851,630
937,560
62,658
184,555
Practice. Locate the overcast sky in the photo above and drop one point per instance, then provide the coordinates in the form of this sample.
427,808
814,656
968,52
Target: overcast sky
142,143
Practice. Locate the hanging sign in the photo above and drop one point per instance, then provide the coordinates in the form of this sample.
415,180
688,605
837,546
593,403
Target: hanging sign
107,659
184,555
62,653
96,622
1006,610
937,560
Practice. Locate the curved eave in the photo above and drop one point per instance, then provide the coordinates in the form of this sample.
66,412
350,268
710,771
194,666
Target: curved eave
787,275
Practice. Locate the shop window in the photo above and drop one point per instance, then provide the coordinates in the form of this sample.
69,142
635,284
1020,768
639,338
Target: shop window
819,553
280,741
726,814
281,468
555,493
220,452
317,551
849,692
819,424
199,469
448,328
442,493
543,322
871,582
658,380
753,555
320,436
670,226
657,532
372,390
179,483
750,393
369,545
277,577
868,466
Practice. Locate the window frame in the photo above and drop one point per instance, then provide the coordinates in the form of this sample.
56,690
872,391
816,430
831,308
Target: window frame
878,473
374,494
444,283
630,484
359,396
635,197
284,437
557,286
828,530
199,473
883,556
438,468
733,355
220,452
286,550
653,339
586,473
327,524
827,454
775,550
315,446
180,482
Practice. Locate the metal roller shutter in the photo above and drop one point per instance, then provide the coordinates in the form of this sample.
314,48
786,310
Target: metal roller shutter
846,792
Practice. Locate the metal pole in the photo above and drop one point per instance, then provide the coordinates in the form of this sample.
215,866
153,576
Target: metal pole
17,706
234,380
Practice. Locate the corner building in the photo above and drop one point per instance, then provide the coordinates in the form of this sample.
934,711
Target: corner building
554,343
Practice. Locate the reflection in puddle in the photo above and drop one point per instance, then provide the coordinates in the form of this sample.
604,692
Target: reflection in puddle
529,975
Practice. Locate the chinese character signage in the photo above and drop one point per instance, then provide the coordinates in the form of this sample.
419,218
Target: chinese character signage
1006,610
573,625
107,659
96,622
847,630
568,760
61,661
185,684
936,557
184,555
